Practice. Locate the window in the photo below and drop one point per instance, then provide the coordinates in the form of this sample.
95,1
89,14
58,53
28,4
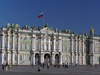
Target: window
42,38
15,46
29,38
47,47
30,57
65,48
47,39
25,46
20,46
15,37
15,57
10,46
30,46
51,47
5,36
36,47
21,37
56,47
43,47
51,39
10,36
5,45
20,57
37,38
4,57
25,38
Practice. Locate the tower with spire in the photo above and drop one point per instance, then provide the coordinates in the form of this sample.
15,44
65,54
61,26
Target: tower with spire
91,31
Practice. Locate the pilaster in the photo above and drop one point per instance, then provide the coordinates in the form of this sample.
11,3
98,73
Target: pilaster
53,58
41,57
18,41
18,58
60,59
8,41
2,41
7,57
49,44
60,46
13,57
54,43
33,58
40,43
13,43
44,43
33,42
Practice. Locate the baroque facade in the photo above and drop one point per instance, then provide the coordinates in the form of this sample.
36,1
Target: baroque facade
26,46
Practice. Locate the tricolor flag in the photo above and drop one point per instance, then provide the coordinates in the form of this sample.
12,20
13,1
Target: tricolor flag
40,15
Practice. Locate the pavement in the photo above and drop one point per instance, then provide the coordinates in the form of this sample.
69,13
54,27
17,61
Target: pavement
29,70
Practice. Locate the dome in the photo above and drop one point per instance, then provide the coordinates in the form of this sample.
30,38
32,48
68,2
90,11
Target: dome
91,30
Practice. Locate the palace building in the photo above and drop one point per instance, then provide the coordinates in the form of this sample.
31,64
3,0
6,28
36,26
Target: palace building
27,46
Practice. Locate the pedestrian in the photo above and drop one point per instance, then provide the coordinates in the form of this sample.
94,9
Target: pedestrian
95,65
76,64
39,68
43,65
67,64
71,64
48,64
32,64
58,65
9,67
3,66
63,64
16,63
55,65
6,66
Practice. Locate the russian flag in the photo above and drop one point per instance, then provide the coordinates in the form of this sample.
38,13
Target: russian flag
40,15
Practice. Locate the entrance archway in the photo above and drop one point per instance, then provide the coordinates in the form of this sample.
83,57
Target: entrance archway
36,58
56,58
99,60
47,58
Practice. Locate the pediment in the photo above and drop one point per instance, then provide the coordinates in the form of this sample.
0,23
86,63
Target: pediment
47,30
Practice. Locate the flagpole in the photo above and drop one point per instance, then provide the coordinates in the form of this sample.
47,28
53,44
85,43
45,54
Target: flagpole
43,18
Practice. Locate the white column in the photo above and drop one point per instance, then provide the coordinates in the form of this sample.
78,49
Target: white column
76,58
53,58
76,51
3,41
13,42
18,41
83,52
71,50
83,59
44,43
8,42
41,58
54,43
33,43
79,52
7,57
2,57
60,59
92,52
59,46
49,44
18,58
33,58
41,43
79,58
13,55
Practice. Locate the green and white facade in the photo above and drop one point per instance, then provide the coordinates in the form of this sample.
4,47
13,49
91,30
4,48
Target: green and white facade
26,46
